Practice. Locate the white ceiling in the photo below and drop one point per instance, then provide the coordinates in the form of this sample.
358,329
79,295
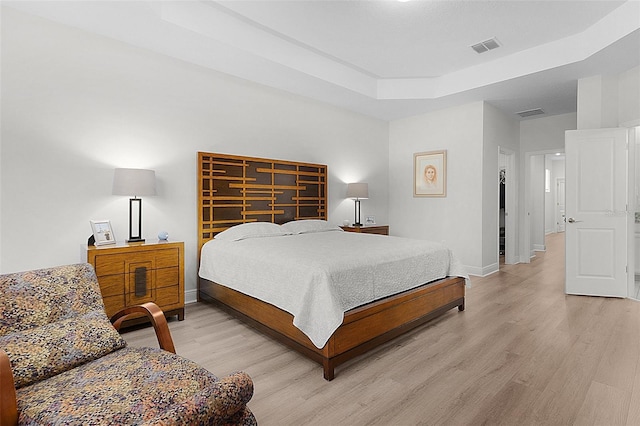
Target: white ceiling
387,59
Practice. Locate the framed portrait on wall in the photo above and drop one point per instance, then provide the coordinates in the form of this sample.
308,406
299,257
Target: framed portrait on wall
102,232
430,174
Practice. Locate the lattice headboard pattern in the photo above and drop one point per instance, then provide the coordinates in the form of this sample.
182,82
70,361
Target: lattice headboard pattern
235,189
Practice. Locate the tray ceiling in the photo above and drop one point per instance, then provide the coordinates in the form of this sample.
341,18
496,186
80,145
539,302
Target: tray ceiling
386,59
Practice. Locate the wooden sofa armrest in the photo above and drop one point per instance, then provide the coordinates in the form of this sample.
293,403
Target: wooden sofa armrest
157,318
8,404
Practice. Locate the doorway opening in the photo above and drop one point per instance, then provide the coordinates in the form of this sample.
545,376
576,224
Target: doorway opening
507,209
554,220
501,215
543,200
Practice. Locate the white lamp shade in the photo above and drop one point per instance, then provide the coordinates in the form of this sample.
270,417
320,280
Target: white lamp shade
358,191
134,182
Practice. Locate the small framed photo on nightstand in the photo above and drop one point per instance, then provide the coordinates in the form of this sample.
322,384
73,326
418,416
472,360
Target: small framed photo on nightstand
370,220
102,232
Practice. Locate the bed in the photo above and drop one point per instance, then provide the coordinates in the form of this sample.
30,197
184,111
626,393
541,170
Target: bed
390,299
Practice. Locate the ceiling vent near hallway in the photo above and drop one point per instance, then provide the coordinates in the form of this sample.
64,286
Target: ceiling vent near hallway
530,112
486,45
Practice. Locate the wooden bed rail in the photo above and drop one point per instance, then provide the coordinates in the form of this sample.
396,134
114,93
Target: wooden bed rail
362,329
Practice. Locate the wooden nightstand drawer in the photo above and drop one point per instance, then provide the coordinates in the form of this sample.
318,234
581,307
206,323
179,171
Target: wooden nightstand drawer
109,265
167,258
167,296
116,263
113,304
112,285
132,274
167,277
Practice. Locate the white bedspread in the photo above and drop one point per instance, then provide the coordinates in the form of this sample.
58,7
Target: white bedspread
317,277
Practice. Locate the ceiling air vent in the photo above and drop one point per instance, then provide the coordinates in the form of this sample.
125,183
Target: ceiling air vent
530,112
486,45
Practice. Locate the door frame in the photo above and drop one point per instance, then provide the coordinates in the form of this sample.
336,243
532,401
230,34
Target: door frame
556,214
511,207
525,218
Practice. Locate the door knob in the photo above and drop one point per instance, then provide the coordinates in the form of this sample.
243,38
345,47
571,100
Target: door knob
572,220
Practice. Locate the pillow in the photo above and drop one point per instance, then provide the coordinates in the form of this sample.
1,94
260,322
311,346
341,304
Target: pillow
45,351
251,230
307,226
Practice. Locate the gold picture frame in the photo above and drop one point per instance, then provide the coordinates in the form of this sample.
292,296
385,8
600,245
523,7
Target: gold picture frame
430,174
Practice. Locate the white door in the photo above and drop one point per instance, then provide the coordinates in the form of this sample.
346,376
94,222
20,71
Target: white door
560,211
596,200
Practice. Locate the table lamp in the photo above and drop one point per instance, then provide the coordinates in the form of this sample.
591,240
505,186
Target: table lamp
357,191
134,182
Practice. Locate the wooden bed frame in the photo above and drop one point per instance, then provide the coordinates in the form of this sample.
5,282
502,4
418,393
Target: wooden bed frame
364,327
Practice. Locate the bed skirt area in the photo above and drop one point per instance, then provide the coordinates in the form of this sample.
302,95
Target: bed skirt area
362,329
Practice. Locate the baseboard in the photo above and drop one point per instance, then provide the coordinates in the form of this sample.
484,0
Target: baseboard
524,259
190,296
484,271
539,247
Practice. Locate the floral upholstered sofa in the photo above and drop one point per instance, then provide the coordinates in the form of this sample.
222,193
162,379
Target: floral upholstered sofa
63,362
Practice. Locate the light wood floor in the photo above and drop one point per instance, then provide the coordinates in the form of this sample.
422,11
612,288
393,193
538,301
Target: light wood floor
522,353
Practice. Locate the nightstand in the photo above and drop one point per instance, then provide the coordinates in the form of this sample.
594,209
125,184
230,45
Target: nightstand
136,273
370,229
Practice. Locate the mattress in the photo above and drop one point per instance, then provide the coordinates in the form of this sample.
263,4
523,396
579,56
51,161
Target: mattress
318,276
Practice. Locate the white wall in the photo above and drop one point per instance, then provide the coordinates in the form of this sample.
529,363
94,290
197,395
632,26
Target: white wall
76,105
546,133
597,102
499,131
537,205
454,219
629,98
607,101
467,218
549,223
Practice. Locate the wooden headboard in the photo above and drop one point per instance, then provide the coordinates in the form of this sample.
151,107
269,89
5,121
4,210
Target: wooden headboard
234,189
